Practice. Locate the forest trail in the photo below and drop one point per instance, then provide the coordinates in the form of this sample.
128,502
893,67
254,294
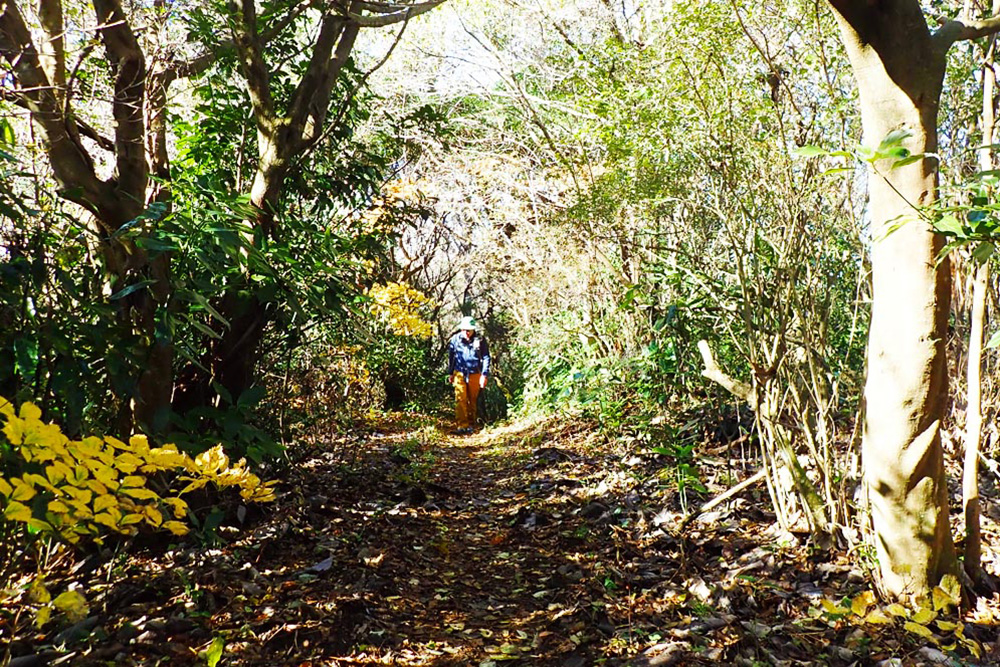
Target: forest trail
539,543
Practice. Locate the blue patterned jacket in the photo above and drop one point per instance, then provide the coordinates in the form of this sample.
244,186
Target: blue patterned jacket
468,356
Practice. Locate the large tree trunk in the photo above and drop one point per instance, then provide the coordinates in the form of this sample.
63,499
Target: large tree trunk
899,70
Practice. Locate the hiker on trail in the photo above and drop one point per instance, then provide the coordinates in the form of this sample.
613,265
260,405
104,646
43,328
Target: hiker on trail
468,368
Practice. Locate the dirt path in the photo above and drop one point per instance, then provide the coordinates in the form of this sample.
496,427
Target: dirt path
479,549
533,544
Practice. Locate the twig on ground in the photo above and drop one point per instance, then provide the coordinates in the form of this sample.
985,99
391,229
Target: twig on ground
722,497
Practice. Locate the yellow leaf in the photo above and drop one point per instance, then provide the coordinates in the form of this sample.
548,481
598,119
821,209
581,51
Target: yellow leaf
102,472
38,593
924,616
920,630
58,472
139,444
73,604
115,442
129,519
42,616
127,462
167,457
87,448
946,626
175,527
39,525
154,515
44,454
141,494
232,477
6,408
58,507
81,510
212,460
22,490
79,476
860,604
79,495
104,502
5,488
30,412
948,594
832,608
38,480
974,648
263,494
178,506
897,609
951,586
193,486
14,430
15,511
106,519
134,480
97,487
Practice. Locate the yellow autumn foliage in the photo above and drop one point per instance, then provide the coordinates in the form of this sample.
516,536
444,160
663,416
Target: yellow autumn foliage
398,306
76,489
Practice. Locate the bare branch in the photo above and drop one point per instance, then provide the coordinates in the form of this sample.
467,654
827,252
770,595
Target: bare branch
198,64
961,29
313,92
712,371
85,130
392,7
315,140
387,16
723,497
72,166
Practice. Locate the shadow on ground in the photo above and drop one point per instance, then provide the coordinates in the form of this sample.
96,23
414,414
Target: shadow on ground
533,543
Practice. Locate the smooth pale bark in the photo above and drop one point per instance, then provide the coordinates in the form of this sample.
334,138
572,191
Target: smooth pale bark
974,428
899,69
973,414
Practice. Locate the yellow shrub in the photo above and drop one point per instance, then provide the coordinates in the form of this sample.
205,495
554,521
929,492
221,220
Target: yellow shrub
83,488
398,306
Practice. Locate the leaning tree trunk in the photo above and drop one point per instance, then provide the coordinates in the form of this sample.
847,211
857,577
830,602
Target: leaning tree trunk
144,386
899,70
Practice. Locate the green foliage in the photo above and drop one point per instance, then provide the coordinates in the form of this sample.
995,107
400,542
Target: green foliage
967,215
58,330
70,338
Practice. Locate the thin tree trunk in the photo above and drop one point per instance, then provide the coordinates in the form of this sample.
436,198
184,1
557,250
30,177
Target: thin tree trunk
973,428
973,413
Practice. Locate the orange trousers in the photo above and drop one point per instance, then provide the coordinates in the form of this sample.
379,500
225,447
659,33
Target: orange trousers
466,395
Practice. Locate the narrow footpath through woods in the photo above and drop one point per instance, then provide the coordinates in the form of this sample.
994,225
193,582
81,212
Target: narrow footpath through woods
539,543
